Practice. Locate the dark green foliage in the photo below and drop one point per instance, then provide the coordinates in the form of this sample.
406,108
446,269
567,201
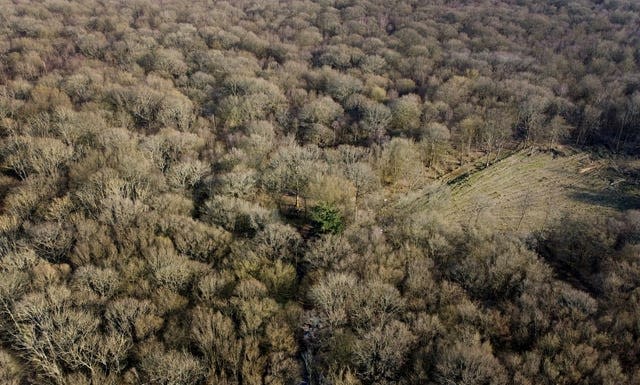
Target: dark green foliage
327,217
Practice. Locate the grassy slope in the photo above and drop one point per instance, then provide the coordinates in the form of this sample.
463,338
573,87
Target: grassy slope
530,188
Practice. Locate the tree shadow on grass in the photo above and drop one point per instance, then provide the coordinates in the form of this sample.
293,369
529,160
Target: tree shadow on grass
619,199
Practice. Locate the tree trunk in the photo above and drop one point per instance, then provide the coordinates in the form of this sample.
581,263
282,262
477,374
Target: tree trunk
619,138
355,208
498,152
489,152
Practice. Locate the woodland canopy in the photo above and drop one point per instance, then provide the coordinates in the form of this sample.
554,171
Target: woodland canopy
224,192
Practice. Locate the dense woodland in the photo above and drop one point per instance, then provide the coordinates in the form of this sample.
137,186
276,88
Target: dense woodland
219,192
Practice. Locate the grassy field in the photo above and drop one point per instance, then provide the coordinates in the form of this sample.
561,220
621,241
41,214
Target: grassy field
530,188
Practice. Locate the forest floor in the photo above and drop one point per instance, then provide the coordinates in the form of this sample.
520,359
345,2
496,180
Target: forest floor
531,188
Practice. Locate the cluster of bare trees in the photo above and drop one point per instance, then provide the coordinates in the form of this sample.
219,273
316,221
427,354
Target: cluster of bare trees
224,193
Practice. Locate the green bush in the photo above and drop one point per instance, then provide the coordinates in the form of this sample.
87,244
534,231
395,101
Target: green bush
327,218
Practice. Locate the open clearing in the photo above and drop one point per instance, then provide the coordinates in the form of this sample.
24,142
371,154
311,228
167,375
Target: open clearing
531,188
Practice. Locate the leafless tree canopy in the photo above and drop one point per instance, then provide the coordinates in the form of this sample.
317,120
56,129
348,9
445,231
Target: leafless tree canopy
251,192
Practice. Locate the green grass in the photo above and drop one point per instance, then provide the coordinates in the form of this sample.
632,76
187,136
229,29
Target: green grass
531,188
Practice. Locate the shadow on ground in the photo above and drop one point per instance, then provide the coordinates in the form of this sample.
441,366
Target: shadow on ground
621,199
